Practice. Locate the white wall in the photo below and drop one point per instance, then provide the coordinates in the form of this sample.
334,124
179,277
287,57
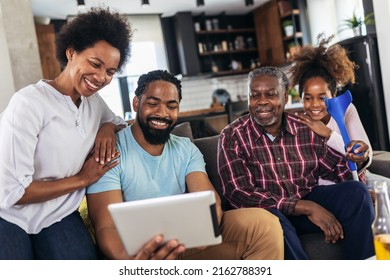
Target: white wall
327,16
322,18
382,23
20,63
147,28
6,79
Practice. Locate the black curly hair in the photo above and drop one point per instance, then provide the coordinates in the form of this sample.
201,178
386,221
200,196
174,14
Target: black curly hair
156,75
97,24
332,64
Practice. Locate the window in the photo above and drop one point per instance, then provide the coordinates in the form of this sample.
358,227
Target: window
147,53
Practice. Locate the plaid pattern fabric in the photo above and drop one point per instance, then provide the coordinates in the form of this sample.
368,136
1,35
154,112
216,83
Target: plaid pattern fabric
256,171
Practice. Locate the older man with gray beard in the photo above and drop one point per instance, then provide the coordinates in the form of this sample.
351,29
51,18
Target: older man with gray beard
269,159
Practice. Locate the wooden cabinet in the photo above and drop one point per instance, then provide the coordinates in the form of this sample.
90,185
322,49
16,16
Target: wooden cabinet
226,44
293,23
275,44
269,34
46,44
180,44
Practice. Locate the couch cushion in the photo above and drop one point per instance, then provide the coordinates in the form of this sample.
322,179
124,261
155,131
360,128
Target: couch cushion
208,146
83,209
317,249
183,130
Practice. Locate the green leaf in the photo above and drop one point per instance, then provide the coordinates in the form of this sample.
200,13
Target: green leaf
355,21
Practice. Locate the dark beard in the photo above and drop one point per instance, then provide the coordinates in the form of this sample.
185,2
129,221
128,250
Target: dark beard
155,136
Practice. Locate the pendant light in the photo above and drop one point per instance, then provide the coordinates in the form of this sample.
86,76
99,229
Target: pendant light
249,2
81,8
145,3
199,3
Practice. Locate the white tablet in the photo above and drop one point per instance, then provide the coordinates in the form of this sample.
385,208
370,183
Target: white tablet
190,218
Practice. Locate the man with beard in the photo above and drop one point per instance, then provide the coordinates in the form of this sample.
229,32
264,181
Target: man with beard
155,163
269,159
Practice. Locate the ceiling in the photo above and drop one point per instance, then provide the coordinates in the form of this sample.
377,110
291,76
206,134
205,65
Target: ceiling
61,9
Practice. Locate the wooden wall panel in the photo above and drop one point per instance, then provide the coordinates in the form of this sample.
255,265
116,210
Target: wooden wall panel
46,44
269,34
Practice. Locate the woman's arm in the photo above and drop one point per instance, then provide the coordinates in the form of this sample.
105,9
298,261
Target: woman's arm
40,191
105,142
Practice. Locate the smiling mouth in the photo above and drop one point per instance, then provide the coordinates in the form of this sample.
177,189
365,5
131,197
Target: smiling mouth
263,112
159,124
91,85
315,112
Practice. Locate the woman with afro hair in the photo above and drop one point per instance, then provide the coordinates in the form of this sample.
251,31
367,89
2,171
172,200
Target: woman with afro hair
56,138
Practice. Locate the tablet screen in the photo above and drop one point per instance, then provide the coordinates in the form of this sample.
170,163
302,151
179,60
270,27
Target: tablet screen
190,218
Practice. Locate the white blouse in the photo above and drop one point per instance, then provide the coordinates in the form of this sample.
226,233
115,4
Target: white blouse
44,136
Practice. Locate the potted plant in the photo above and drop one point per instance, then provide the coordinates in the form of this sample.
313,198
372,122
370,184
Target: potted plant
293,95
292,48
356,23
288,26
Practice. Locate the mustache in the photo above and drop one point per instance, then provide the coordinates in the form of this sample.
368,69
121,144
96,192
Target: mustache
167,121
263,109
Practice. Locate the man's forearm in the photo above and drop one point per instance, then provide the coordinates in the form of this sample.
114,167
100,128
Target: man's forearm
110,244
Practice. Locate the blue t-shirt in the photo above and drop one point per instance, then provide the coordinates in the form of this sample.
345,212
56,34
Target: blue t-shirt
141,175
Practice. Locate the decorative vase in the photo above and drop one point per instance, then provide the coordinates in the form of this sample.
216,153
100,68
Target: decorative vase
289,30
357,31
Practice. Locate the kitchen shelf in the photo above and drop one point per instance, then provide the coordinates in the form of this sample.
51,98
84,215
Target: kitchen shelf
272,41
228,52
290,10
295,35
231,72
294,12
225,42
225,31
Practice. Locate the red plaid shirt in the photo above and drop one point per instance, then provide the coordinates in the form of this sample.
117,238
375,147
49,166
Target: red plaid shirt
258,172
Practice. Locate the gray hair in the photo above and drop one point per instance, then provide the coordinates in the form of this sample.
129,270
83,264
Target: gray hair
269,71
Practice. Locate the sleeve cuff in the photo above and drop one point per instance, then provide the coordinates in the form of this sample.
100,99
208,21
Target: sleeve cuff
15,195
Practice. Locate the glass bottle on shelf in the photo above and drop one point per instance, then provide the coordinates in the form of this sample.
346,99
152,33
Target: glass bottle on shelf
253,64
214,67
381,224
200,47
215,23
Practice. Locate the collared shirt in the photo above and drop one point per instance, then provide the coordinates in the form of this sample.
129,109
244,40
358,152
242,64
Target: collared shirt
256,171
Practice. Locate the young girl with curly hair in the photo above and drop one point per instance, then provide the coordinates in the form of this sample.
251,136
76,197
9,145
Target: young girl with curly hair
320,72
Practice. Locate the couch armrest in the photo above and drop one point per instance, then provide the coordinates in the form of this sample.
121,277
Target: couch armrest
380,163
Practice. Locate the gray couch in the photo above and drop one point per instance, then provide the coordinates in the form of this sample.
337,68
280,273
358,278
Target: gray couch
314,244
